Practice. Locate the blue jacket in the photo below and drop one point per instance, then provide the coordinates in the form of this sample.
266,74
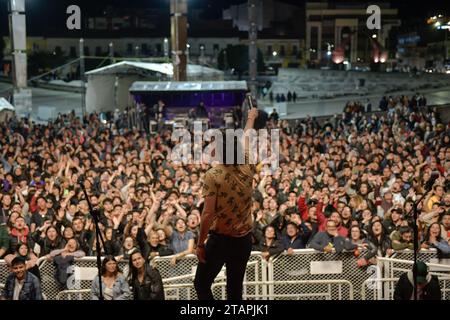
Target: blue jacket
121,289
300,240
296,244
31,289
322,239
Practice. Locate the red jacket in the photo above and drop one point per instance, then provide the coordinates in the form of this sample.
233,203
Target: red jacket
303,209
321,220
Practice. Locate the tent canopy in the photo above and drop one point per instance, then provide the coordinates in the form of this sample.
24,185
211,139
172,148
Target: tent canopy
108,88
5,105
130,67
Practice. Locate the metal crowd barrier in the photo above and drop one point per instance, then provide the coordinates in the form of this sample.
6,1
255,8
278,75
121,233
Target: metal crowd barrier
327,294
313,266
307,274
178,279
402,262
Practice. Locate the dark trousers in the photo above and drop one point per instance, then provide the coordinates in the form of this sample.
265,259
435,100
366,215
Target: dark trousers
220,250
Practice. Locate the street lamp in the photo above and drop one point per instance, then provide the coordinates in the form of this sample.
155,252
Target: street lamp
111,52
374,36
188,48
274,53
137,51
329,46
166,47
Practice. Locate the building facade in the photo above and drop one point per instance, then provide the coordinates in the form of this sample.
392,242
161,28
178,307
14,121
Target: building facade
332,26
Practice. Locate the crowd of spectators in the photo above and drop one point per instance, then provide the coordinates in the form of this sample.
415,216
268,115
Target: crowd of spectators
349,183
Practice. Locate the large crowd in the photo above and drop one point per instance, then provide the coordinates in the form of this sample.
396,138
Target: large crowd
349,183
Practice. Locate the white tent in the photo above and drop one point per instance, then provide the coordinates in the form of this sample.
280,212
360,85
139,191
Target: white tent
108,87
6,110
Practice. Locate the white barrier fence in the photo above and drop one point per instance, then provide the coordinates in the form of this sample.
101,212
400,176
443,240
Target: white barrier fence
307,274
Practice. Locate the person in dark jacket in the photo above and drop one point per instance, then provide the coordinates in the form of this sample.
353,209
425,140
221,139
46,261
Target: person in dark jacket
4,240
51,241
427,285
21,284
294,239
112,243
257,236
155,248
330,241
84,237
145,280
270,246
382,244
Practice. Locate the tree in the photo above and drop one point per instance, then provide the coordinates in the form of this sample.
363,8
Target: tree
236,57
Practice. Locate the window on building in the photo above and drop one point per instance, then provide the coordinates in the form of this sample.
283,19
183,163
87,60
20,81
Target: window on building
86,51
216,47
58,50
294,50
35,47
98,51
129,47
158,49
282,50
269,50
73,51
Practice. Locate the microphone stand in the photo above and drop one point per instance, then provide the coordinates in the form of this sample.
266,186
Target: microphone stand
95,215
416,238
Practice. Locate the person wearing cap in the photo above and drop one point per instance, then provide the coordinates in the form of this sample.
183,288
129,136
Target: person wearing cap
427,285
21,284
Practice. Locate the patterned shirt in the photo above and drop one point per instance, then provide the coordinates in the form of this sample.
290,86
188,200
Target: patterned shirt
232,186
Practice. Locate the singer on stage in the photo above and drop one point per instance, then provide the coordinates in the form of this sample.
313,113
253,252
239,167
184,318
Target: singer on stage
225,230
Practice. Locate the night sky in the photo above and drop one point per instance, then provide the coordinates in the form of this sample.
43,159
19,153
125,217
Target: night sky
44,14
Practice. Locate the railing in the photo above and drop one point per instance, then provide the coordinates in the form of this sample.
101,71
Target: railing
376,285
393,267
328,294
175,276
82,294
313,266
307,274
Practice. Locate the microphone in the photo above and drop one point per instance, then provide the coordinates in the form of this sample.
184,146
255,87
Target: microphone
250,100
263,117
